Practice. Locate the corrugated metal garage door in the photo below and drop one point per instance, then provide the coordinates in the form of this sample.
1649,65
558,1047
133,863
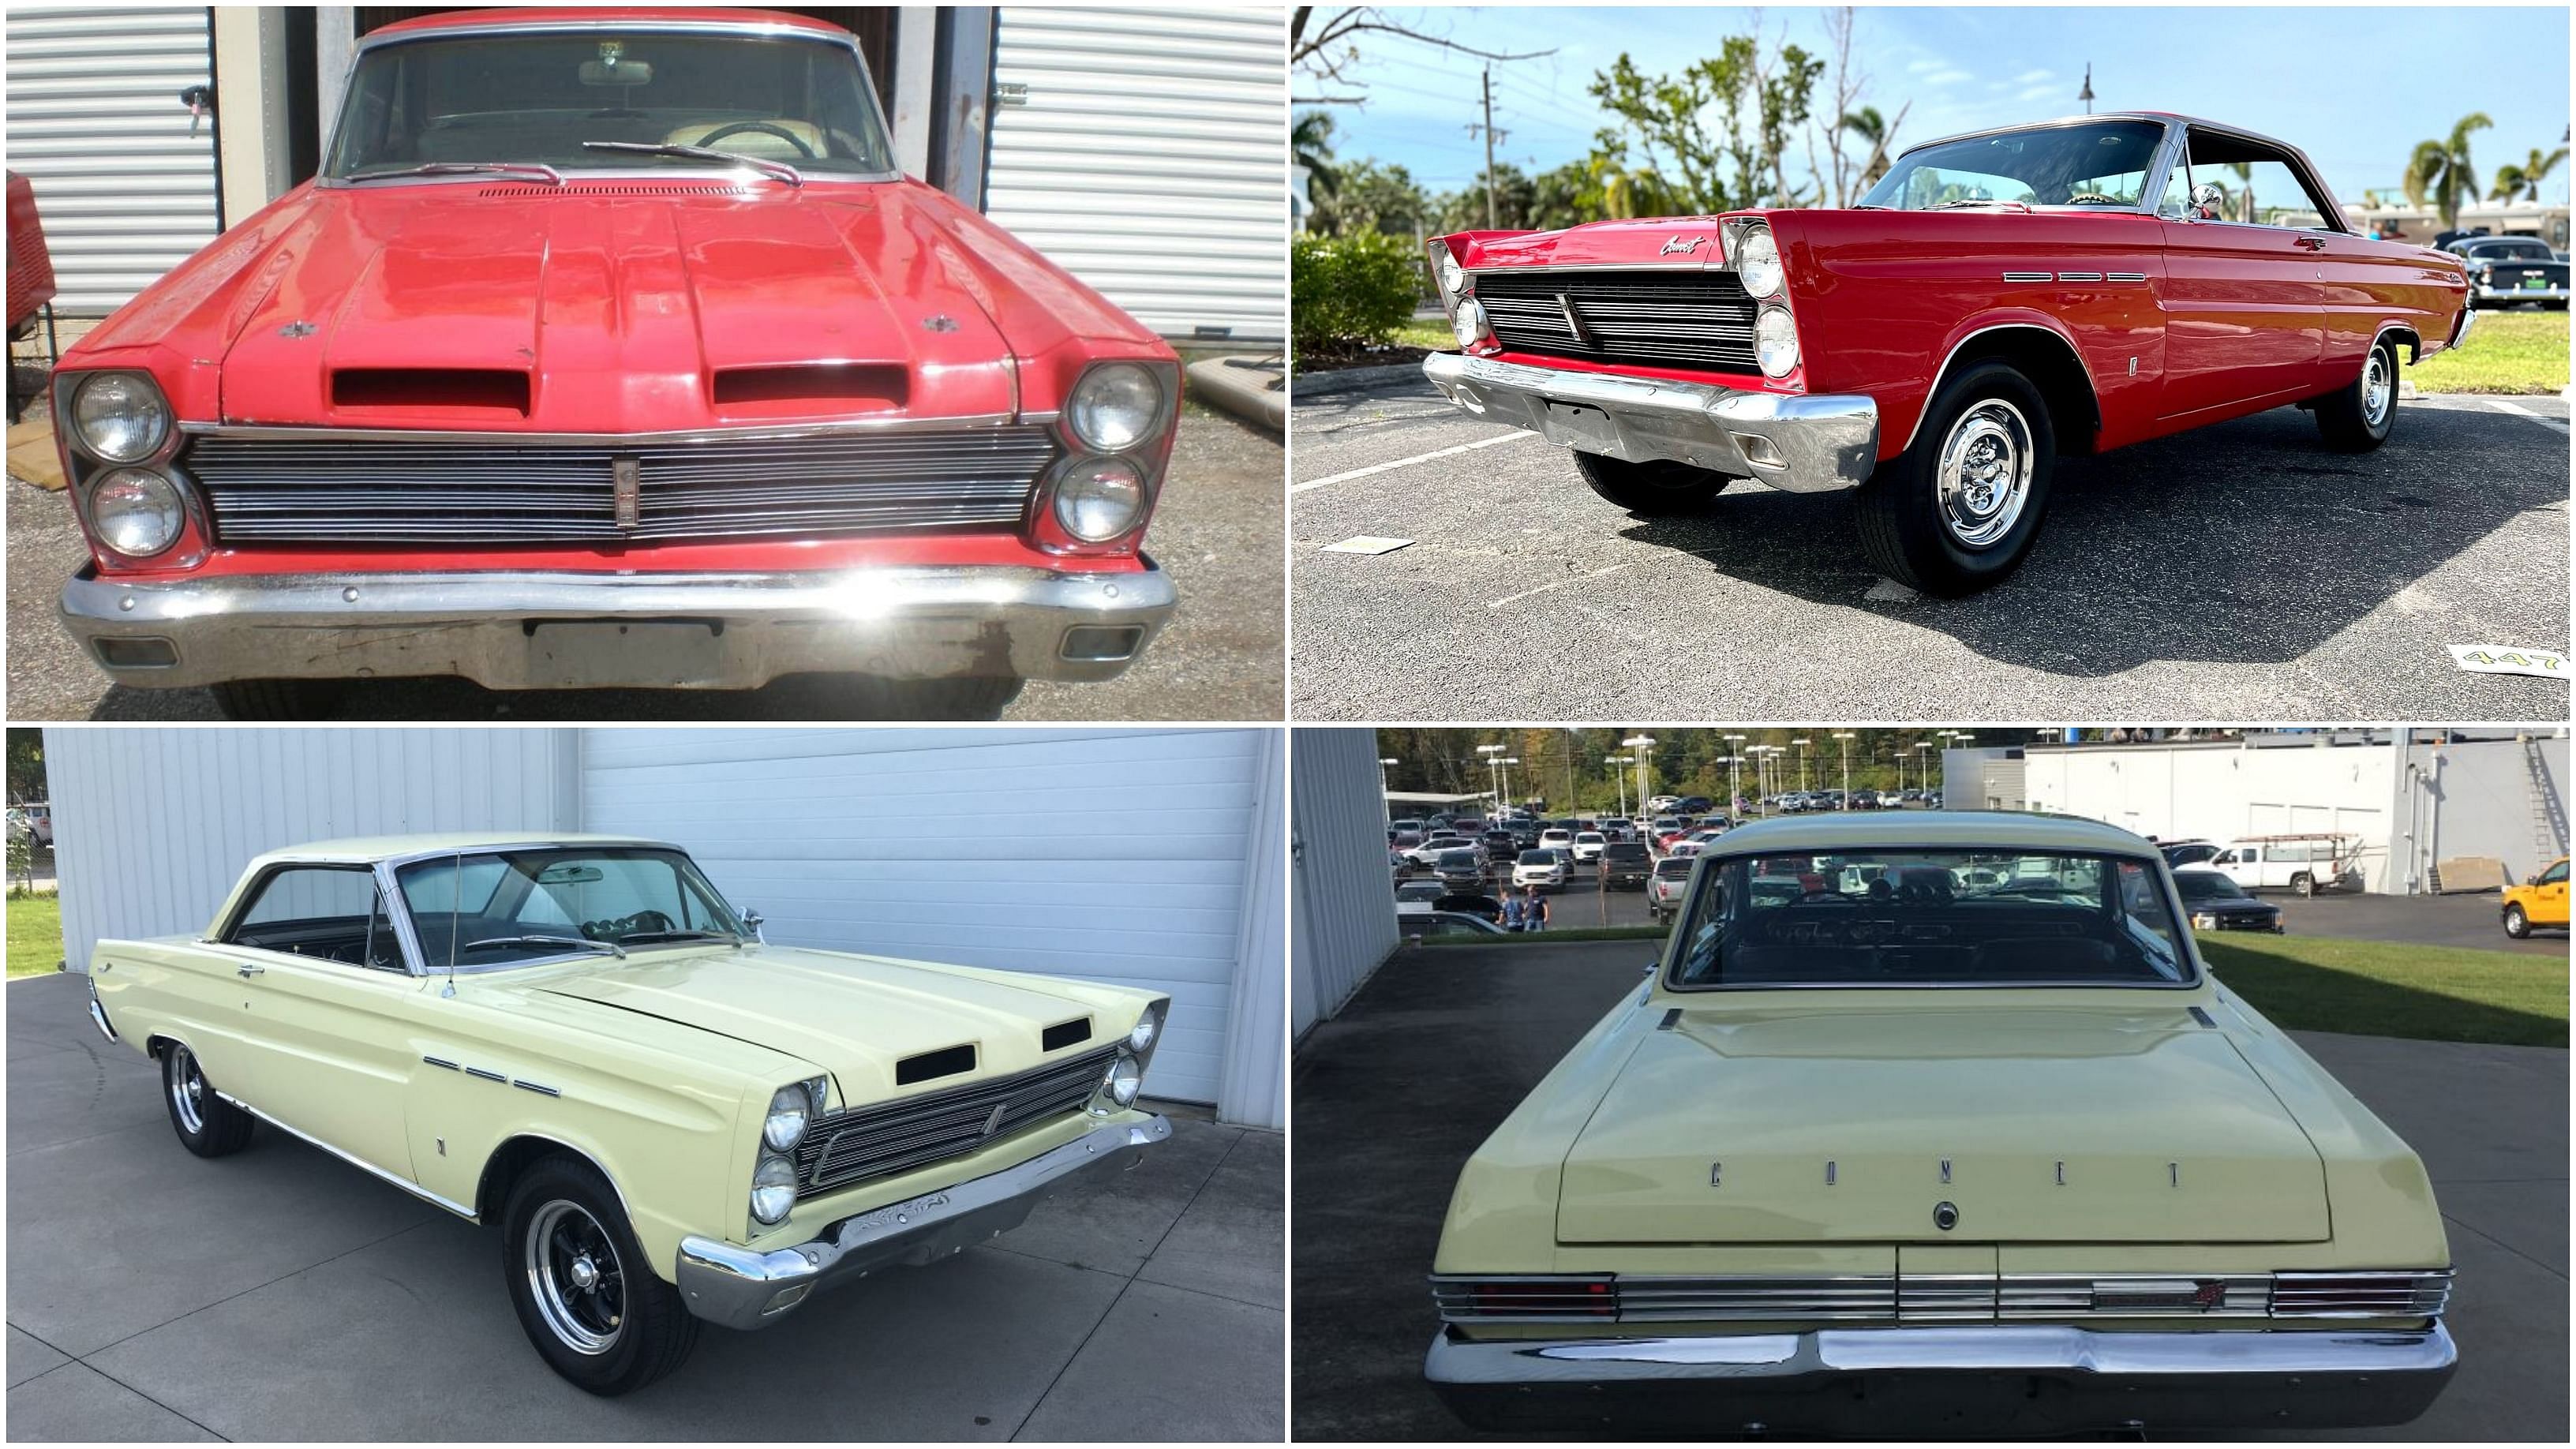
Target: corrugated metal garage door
1115,856
1147,160
95,123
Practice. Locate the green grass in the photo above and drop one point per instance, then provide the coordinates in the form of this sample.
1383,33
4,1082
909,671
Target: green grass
2375,988
2508,352
35,934
1430,332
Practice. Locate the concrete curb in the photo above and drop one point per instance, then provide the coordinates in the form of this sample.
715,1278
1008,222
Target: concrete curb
1352,379
1241,384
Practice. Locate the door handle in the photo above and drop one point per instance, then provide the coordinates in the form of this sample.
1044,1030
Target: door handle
2312,243
248,970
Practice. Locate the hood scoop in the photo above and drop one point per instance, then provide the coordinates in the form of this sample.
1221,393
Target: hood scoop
1065,1034
843,386
474,392
931,1066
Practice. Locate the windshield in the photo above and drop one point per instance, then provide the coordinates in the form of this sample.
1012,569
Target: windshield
535,99
2207,885
506,908
2099,163
1897,918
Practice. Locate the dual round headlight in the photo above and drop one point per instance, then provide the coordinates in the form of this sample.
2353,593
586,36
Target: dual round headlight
1453,277
773,1189
1115,407
120,416
1124,1081
790,1108
136,512
1140,1040
1775,342
1099,498
1757,262
1469,323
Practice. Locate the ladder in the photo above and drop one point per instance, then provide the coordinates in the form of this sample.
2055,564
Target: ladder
2548,812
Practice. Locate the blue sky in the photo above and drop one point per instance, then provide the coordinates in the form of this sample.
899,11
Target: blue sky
2354,86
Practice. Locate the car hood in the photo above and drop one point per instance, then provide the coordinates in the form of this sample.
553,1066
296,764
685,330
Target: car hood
856,1017
1838,1124
624,307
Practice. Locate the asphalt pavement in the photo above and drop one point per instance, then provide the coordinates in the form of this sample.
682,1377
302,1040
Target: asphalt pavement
282,1294
1216,531
1388,1106
2236,572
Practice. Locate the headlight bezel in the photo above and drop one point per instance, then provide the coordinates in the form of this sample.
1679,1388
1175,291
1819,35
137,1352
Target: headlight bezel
1451,276
160,437
809,1102
1763,322
1469,324
1156,419
1150,1023
174,504
1120,1067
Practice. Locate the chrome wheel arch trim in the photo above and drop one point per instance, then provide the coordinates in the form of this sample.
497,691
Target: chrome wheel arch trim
1943,373
483,1175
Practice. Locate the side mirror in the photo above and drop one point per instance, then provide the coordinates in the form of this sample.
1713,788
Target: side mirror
2206,199
752,921
1651,964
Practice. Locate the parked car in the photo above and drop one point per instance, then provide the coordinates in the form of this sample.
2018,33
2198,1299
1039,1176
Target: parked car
1463,868
1501,846
670,1121
2538,902
1625,864
1545,869
2180,853
1664,888
1587,846
1996,300
613,347
2303,863
40,823
1416,897
1662,804
1450,923
2217,903
1694,805
1556,837
2015,1160
1468,903
2513,271
1427,854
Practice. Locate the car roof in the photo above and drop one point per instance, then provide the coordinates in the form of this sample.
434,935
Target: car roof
583,16
372,848
1976,829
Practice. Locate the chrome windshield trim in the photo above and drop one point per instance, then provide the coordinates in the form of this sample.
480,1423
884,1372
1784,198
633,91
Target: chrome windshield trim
399,906
2150,188
281,432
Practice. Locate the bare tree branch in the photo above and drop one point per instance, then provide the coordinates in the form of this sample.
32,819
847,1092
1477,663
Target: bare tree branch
1329,47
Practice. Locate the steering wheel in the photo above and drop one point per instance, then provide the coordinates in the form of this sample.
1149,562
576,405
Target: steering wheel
2091,196
766,128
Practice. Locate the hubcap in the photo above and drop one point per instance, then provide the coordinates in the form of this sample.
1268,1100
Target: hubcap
575,1277
2376,391
187,1090
1982,476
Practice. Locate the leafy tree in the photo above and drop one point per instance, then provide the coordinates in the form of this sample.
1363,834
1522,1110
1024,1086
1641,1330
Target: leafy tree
2526,178
26,765
1373,196
1716,132
1310,144
2442,172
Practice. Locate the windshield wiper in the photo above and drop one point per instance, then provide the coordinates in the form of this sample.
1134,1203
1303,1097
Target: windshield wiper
551,176
779,169
582,941
1980,201
639,938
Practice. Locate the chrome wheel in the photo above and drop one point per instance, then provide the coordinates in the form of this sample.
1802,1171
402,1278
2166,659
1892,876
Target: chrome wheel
187,1090
1982,475
575,1277
2378,388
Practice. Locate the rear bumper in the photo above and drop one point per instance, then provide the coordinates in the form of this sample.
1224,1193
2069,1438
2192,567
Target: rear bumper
1803,443
1913,1382
735,631
740,1288
2496,296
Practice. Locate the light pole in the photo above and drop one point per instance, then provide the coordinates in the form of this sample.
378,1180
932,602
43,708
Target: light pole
1846,737
1614,762
1507,762
1493,775
1802,765
1641,746
1923,757
1383,807
1734,780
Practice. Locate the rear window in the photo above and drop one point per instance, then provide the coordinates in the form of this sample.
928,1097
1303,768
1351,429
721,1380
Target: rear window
1458,859
1676,868
1626,850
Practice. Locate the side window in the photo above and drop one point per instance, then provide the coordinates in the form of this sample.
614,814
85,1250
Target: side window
2144,906
2250,855
331,912
2555,875
2257,185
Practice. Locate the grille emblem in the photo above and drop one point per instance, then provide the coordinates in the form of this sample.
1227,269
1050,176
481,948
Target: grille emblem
993,1120
627,476
1945,1216
1683,244
1573,320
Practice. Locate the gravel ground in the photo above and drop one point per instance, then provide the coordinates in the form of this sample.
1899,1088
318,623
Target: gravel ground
2239,572
1221,658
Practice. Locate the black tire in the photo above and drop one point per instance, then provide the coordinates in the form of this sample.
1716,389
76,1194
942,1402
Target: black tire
864,696
279,699
2516,924
1907,533
2559,305
628,1327
221,1128
2304,883
2346,417
1657,489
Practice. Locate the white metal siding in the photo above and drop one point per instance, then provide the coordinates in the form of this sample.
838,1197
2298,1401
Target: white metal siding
1109,855
1344,895
1148,159
152,826
94,122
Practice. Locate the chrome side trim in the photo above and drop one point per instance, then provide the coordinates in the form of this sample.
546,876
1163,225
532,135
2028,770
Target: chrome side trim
769,433
2028,276
415,1189
1944,370
533,1087
487,1075
2124,276
442,1062
2079,276
98,1015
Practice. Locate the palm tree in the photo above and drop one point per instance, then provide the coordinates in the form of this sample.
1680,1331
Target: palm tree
2528,175
1870,126
2443,172
2508,180
1310,144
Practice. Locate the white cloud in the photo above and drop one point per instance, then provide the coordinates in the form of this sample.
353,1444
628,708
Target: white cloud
2028,76
2040,93
1949,77
1920,67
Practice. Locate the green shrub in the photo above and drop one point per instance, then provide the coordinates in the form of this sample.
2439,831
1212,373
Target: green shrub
1351,291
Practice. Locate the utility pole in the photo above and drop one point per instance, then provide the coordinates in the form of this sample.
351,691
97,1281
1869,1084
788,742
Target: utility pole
1620,777
1802,765
1846,737
1491,221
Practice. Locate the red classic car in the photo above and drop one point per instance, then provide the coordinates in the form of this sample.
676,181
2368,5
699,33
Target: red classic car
611,348
1994,301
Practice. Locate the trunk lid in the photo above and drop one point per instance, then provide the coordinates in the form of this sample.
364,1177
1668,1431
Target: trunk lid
2163,1132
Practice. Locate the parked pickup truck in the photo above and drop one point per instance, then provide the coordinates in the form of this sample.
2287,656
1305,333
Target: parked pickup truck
578,1041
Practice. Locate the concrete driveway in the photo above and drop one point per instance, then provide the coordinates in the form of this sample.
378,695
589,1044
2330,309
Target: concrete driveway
1223,656
280,1294
2236,572
1392,1095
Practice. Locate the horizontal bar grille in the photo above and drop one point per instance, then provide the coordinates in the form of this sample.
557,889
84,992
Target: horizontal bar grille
339,491
1665,318
1952,1297
869,1142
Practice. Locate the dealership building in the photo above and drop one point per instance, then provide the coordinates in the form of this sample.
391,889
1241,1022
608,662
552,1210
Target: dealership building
1134,856
2410,800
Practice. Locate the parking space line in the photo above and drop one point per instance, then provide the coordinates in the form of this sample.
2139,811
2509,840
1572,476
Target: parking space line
1560,583
1377,468
2555,425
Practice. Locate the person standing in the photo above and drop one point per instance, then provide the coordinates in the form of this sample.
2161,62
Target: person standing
1534,915
1511,911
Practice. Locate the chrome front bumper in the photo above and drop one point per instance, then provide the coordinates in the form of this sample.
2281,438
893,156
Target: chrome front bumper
2518,294
526,630
1803,443
1917,1382
740,1288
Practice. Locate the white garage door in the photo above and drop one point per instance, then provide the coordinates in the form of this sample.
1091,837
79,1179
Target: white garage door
1146,158
95,125
1115,856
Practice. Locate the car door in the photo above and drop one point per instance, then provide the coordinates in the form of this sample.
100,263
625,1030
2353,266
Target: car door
327,1004
2549,900
2243,293
2241,864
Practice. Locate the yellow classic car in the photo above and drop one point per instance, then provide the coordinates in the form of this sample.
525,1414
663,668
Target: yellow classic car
578,1040
1937,1123
2538,902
